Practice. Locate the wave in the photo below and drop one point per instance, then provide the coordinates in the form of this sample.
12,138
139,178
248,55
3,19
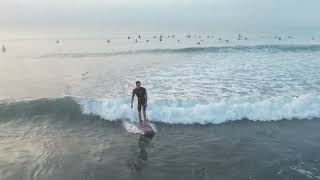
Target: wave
214,49
172,112
188,112
31,108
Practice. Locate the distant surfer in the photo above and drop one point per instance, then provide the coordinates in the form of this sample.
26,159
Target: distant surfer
3,49
141,94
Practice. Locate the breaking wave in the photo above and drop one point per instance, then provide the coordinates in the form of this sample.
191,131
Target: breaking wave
172,112
215,49
188,112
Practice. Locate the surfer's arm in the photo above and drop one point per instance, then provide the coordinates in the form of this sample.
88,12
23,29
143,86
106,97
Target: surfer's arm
132,98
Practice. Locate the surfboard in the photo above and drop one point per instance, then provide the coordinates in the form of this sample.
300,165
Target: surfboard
145,128
140,128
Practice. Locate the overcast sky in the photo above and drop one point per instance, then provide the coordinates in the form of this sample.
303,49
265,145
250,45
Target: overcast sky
152,15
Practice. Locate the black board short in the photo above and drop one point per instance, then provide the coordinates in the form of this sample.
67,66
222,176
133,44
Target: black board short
142,105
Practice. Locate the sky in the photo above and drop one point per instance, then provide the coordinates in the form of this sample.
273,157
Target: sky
159,15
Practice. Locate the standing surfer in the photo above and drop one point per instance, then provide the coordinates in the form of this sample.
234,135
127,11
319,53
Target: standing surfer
3,49
141,94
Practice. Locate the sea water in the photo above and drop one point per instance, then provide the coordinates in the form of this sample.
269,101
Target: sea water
244,108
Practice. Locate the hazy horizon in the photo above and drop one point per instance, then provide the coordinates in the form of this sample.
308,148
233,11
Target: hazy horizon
58,16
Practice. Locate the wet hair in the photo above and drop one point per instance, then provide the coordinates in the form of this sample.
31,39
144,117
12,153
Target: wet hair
138,82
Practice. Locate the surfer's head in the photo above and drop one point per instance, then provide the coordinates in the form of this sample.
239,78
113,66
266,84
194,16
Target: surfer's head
138,83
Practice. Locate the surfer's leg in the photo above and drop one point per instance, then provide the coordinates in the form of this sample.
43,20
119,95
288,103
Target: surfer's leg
140,116
139,112
144,113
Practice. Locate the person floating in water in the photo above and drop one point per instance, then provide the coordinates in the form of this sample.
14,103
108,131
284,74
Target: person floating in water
3,49
141,94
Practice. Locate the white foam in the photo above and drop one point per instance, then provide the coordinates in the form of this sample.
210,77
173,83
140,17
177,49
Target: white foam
307,173
133,128
189,112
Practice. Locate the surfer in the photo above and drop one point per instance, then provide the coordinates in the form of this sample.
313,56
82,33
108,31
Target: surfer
141,94
3,49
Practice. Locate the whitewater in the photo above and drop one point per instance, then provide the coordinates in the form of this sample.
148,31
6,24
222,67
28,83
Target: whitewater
213,85
259,79
185,112
250,106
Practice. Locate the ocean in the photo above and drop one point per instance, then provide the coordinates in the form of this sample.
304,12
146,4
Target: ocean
223,107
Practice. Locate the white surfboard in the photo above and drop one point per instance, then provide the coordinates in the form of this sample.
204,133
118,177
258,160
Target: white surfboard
145,128
140,128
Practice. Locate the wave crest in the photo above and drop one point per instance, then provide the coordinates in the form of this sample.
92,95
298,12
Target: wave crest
213,49
187,112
